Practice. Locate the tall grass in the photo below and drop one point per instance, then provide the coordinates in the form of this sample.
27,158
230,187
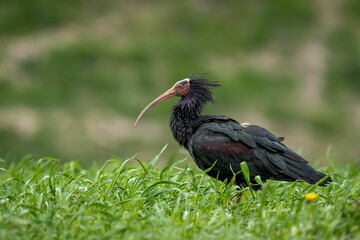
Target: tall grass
131,199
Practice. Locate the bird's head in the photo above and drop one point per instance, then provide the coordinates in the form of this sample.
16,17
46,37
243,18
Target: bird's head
180,88
194,88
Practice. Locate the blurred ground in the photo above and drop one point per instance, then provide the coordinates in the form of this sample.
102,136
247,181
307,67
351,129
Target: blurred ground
74,75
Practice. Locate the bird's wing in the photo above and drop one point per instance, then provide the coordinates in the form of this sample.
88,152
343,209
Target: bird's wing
223,145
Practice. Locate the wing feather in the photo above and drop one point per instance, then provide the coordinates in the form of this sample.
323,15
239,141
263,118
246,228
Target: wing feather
229,143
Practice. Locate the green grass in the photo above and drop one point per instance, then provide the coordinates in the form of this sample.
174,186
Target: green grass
130,199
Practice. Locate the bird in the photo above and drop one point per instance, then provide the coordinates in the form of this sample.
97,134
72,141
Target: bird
219,144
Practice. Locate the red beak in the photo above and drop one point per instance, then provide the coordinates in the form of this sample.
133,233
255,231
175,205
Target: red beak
168,94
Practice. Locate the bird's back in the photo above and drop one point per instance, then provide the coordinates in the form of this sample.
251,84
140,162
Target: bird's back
221,143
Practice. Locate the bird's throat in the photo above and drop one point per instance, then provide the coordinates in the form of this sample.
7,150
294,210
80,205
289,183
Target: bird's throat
181,123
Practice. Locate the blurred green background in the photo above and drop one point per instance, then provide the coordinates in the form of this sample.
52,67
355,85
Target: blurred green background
75,74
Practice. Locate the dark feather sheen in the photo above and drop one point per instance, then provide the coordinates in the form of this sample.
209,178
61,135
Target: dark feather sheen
222,143
200,93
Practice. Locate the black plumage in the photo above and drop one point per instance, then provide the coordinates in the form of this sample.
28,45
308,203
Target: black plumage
220,144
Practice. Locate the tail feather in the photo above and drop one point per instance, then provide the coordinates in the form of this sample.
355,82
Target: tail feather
302,170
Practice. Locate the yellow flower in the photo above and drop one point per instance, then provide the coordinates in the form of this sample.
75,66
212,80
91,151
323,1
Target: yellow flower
310,197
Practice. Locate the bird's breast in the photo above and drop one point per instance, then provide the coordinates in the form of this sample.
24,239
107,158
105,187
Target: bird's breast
181,132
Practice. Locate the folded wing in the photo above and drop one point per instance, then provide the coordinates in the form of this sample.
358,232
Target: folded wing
222,145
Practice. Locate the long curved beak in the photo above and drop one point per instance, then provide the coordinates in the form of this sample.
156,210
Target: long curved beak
168,94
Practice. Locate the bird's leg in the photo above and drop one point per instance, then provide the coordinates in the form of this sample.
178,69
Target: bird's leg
237,201
238,196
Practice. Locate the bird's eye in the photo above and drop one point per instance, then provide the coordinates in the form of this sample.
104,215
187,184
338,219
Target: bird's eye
182,82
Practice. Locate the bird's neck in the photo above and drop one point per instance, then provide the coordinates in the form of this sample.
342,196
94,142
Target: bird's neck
181,122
